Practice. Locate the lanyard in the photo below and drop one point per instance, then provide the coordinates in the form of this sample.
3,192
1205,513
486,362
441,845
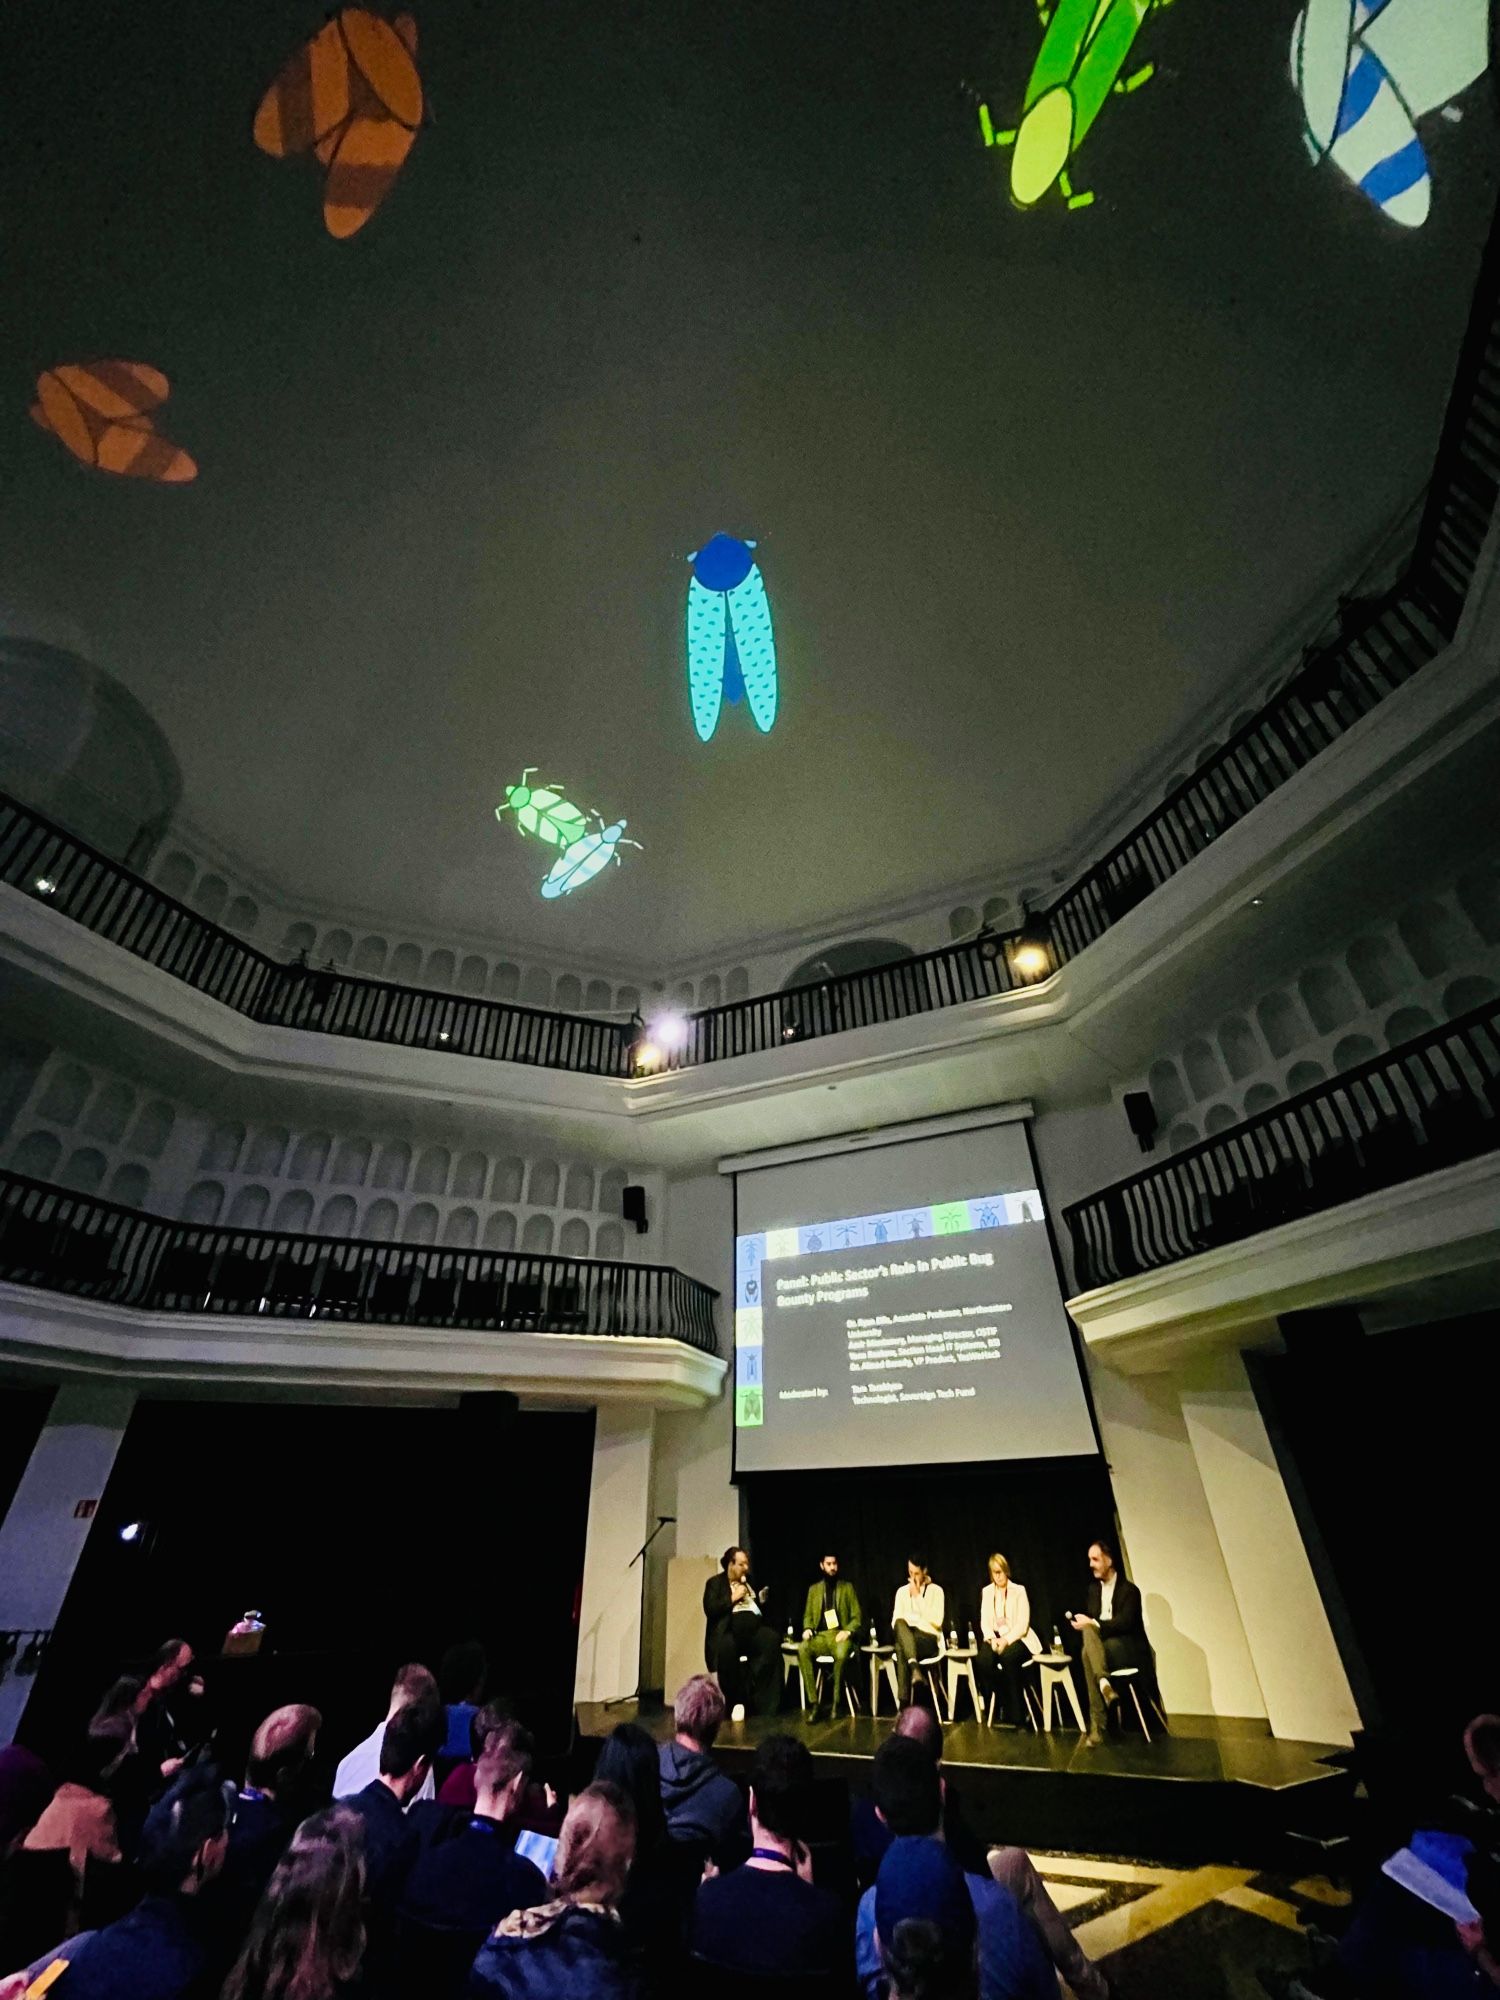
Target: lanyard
773,1854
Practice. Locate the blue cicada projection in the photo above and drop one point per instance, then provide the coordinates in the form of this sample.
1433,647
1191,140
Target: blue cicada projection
731,649
582,859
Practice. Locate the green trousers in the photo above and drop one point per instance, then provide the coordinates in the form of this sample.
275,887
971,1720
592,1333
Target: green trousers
827,1643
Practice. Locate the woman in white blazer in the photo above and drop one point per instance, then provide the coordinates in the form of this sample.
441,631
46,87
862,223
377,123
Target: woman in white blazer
1007,1641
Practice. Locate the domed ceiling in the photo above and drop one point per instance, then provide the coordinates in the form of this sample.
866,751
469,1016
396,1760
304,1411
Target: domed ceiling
1028,487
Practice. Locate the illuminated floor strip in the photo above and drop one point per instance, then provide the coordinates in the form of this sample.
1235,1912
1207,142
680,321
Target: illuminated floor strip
1318,1889
1256,1903
1192,1890
1078,1868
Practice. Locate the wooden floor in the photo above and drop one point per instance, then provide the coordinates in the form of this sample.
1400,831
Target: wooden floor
1209,1789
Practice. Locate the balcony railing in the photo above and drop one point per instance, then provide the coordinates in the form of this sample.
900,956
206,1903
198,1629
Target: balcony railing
1430,1103
1381,643
95,1249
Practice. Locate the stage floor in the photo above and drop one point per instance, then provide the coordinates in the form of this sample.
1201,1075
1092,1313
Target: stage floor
1209,1790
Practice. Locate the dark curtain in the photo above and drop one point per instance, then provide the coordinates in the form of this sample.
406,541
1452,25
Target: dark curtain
368,1537
1041,1514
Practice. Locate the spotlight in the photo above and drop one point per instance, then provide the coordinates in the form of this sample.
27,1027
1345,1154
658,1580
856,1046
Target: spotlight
669,1031
1031,954
442,1034
45,886
132,1531
647,1056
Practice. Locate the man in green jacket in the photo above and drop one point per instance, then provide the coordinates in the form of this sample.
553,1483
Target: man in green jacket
830,1626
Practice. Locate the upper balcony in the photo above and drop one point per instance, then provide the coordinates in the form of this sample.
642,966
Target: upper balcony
97,1288
1381,1179
1404,697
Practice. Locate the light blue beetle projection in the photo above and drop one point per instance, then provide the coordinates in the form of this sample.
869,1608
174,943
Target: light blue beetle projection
731,649
585,858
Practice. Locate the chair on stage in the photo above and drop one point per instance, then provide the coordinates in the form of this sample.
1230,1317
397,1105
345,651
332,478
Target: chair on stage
931,1667
960,1661
882,1659
1054,1681
1132,1681
823,1664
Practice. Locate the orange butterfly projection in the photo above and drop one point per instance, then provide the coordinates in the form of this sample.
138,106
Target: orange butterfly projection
100,411
351,97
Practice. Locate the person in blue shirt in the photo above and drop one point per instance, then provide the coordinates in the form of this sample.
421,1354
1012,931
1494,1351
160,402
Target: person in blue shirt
469,1877
462,1673
767,1919
164,1947
1013,1964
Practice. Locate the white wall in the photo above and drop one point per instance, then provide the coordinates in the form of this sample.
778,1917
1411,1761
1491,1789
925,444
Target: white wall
42,1535
693,1448
1297,1663
609,1618
1172,1548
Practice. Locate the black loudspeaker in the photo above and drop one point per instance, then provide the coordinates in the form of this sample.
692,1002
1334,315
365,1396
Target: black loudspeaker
633,1207
1140,1115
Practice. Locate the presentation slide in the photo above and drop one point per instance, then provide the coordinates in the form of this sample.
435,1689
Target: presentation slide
930,1330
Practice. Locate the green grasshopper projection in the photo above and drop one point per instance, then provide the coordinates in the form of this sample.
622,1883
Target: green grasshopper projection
543,813
1085,46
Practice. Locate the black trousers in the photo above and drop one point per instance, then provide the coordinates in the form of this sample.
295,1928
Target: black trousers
1099,1657
1000,1672
911,1646
756,1683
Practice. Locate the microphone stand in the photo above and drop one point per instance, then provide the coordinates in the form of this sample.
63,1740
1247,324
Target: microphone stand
662,1521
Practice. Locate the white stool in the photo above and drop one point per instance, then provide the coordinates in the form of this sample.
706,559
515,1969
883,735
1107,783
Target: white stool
882,1657
961,1670
1130,1675
823,1663
1055,1679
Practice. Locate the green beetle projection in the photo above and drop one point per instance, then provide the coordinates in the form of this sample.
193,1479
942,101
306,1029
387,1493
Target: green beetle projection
543,812
1085,46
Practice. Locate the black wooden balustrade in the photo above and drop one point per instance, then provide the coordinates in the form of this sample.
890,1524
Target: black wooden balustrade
96,1249
1381,643
1430,1103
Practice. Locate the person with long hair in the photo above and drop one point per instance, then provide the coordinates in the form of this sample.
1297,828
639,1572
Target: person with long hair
572,1947
658,1900
307,1938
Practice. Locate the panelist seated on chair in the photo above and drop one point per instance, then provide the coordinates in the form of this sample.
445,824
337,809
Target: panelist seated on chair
1007,1641
1113,1633
831,1619
738,1645
916,1622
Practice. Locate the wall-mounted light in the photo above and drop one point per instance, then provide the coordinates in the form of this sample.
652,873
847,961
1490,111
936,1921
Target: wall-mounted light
1031,953
669,1031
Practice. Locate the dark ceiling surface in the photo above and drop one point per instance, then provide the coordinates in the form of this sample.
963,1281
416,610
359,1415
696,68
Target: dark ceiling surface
1029,488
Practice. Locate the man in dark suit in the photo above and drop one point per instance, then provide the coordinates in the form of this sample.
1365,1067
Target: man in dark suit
1113,1633
733,1627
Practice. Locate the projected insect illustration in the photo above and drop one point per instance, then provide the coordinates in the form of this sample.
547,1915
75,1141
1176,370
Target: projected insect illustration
543,812
1367,70
353,99
583,859
1085,46
731,650
101,412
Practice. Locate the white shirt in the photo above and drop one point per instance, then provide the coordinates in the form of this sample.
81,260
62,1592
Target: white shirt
362,1767
1005,1616
922,1609
1107,1599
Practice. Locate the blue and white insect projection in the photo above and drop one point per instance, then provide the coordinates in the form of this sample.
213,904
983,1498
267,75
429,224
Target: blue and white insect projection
585,858
1367,70
731,649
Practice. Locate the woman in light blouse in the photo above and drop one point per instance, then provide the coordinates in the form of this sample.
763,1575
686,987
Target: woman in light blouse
1007,1641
